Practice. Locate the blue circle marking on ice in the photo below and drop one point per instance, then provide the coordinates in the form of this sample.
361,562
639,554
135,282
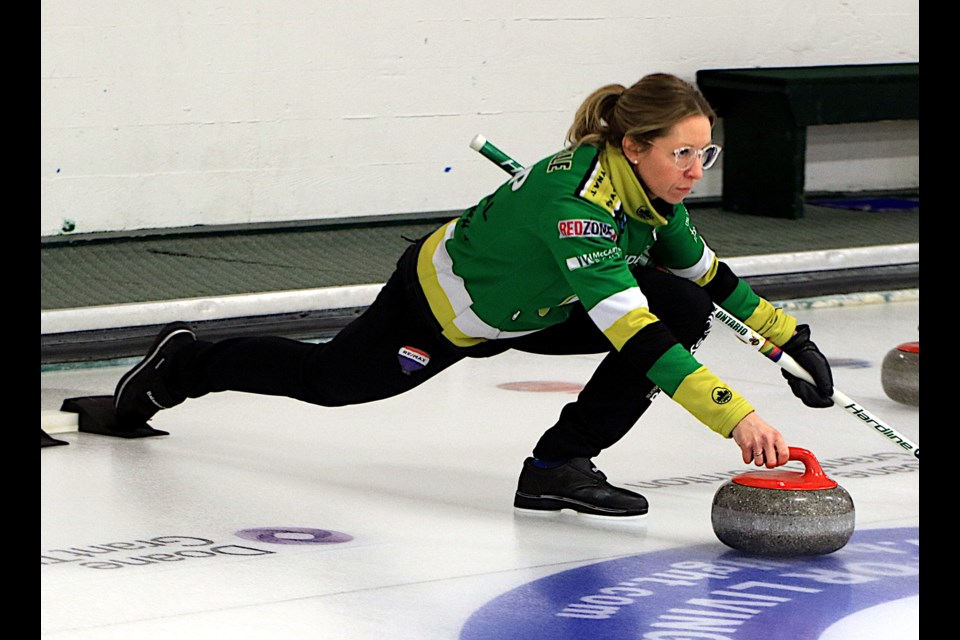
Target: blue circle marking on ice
850,363
714,593
294,535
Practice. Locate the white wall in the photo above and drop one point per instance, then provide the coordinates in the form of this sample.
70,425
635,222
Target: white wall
168,113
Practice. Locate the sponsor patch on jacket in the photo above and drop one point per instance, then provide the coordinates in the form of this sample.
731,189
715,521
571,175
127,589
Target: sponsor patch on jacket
594,257
412,359
721,395
582,228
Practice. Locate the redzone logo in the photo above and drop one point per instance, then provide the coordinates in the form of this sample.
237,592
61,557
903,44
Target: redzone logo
586,229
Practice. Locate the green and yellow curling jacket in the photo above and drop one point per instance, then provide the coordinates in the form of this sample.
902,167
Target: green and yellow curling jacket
568,229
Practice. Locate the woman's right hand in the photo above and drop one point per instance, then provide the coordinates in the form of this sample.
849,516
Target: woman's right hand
759,442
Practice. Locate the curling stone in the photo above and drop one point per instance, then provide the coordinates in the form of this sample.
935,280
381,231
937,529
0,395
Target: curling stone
900,375
784,513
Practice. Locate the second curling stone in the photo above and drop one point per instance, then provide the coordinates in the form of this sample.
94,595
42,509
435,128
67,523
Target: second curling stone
900,374
784,513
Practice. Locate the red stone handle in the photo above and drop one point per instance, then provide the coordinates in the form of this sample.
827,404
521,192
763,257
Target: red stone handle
812,473
812,478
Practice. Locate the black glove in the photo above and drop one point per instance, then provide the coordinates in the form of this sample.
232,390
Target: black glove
805,352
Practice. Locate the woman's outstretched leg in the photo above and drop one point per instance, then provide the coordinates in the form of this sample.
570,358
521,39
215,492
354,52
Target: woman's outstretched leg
391,348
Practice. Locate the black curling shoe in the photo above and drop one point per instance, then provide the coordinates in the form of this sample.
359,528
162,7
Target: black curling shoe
576,485
142,391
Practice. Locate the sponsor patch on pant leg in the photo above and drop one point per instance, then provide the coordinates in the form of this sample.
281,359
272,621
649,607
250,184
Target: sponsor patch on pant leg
412,359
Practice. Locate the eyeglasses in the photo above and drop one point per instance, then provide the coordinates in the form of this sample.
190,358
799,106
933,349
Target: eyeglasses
686,157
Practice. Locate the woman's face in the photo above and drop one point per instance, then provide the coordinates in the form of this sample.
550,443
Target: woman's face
656,164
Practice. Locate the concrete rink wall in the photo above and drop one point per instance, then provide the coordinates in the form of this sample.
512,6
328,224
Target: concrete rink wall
181,113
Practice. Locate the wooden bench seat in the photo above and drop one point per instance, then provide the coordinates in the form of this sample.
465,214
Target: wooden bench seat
766,112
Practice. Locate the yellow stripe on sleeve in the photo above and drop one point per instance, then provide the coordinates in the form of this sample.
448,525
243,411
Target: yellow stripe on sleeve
628,326
711,272
772,323
711,401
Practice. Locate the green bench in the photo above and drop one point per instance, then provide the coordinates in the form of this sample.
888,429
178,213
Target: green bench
766,112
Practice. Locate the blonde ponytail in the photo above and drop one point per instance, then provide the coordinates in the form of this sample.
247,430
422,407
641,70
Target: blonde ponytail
642,112
591,122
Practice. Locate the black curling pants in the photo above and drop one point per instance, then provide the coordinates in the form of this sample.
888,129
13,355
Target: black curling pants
617,394
362,363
